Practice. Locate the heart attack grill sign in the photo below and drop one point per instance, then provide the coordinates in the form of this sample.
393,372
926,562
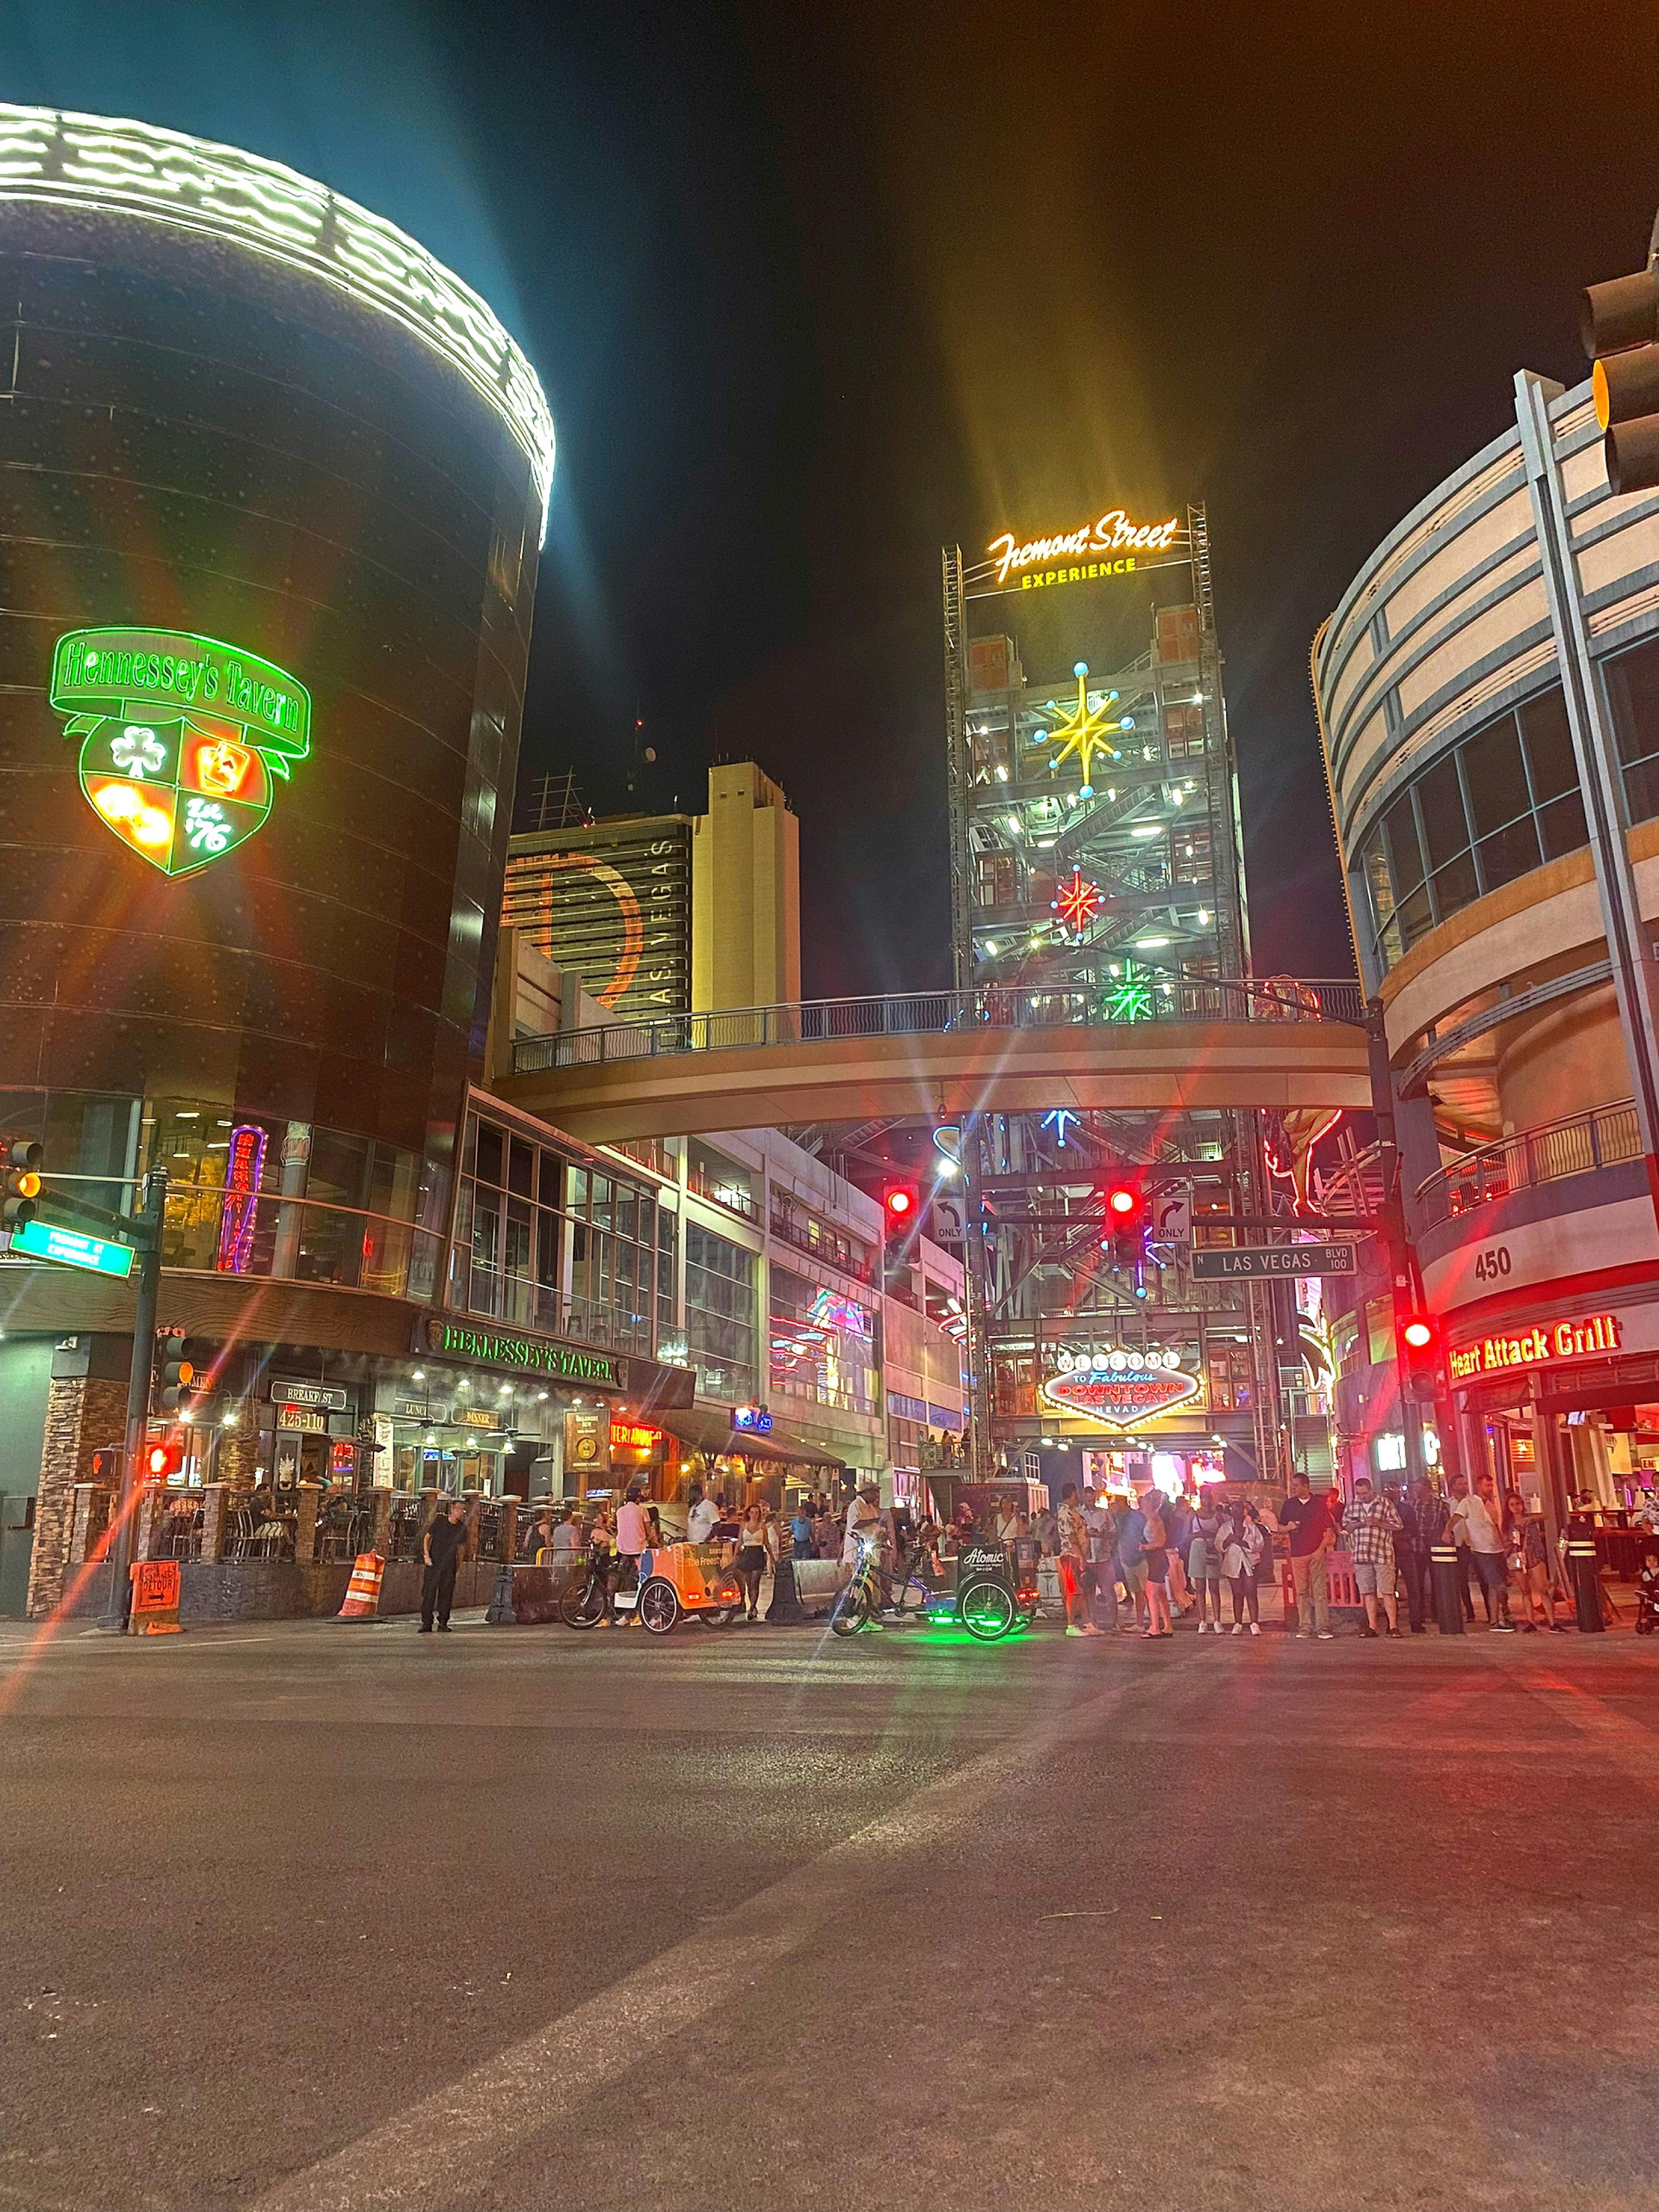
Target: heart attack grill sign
182,739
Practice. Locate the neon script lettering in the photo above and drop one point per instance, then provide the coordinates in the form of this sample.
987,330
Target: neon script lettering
1113,533
1533,1347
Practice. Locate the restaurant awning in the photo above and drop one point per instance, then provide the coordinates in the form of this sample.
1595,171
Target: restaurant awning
707,1431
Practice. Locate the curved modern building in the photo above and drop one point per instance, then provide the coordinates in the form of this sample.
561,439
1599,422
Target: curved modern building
1461,815
273,491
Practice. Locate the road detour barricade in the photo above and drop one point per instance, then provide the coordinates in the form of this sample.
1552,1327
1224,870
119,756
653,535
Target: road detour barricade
155,1598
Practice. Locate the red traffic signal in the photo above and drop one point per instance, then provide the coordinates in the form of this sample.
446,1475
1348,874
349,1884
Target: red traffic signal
162,1460
1417,1337
1619,323
901,1203
1121,1202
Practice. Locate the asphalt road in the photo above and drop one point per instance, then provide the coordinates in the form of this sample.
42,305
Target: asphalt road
300,1917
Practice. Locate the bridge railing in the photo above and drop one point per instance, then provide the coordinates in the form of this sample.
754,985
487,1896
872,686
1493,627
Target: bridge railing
1119,1006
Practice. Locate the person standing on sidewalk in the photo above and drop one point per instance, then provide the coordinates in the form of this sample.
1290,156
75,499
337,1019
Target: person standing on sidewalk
1474,1525
1204,1564
1370,1525
1306,1521
1103,1552
1423,1525
1071,1558
1243,1542
1132,1563
441,1555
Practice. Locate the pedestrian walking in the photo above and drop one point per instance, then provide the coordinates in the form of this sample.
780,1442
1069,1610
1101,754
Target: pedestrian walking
1243,1543
755,1548
702,1516
1306,1521
1370,1524
1204,1566
1071,1558
1156,1554
441,1555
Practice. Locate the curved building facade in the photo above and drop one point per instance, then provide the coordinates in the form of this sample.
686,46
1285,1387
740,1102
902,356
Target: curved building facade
274,487
1463,822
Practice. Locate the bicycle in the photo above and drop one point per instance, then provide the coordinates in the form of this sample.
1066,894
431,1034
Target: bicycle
864,1598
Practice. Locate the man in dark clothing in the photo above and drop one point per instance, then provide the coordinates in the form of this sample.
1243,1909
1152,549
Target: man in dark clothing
440,1551
1424,1518
1306,1521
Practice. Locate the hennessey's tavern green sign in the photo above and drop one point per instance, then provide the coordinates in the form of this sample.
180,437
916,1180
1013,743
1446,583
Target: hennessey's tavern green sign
531,1355
182,737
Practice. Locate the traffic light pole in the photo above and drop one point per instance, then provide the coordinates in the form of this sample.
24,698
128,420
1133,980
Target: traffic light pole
149,1225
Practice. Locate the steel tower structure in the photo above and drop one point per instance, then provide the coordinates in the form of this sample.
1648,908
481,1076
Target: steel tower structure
1097,864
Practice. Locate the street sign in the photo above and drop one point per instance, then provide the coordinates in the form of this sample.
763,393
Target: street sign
68,1248
1172,1216
1261,1263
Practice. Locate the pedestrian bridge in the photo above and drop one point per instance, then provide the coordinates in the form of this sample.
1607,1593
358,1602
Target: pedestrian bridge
1284,1042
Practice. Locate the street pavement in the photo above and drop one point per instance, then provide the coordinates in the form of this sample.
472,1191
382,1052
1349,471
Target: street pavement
303,1915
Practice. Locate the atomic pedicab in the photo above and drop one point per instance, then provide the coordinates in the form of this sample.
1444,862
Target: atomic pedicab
995,1592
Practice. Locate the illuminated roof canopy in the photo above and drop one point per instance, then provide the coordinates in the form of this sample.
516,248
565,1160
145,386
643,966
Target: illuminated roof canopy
97,162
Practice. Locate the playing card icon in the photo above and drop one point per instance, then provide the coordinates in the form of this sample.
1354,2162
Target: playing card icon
182,739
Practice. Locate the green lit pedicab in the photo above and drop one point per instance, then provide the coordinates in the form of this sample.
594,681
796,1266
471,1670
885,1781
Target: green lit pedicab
995,1592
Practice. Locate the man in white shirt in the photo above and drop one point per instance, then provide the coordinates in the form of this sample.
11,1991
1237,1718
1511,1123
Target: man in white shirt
632,1538
863,1520
1473,1524
703,1516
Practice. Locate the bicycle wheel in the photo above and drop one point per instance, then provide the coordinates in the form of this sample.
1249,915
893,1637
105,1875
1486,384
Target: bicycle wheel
987,1611
660,1606
584,1605
852,1610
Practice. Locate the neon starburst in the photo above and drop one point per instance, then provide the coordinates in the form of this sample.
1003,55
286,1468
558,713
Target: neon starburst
1078,902
1086,730
1130,997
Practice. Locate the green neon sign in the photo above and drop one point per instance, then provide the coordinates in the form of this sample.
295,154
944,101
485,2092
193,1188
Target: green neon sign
68,1248
181,738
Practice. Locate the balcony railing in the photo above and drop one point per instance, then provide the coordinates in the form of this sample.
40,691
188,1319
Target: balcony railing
1576,1147
1141,998
524,1303
301,1240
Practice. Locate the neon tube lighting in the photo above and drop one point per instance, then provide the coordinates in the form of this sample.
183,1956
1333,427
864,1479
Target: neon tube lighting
114,164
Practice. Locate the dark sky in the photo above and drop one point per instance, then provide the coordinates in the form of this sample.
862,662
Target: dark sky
815,289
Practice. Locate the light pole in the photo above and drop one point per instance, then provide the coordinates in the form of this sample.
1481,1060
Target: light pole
147,1225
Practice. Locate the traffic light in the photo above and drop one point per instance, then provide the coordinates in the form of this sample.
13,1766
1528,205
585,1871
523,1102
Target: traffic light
180,1372
1127,1215
1417,1338
901,1204
1619,323
162,1460
20,1180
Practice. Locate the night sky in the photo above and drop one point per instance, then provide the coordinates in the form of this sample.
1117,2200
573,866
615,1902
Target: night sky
815,289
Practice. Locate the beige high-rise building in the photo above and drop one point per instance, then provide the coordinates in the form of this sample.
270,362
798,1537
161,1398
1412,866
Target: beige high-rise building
745,893
658,914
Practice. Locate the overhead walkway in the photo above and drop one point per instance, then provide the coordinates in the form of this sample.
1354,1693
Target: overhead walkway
1284,1042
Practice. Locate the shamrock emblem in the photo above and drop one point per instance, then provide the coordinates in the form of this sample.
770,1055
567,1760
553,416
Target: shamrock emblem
139,751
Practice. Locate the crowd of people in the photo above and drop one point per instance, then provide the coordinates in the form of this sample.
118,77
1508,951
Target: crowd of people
1132,1564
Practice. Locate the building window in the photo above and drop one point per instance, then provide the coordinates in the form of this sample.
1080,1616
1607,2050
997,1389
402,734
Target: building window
1496,806
822,1344
553,1247
1632,688
712,1175
720,1315
808,1232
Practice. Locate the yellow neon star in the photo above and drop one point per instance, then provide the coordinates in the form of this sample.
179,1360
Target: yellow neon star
1087,731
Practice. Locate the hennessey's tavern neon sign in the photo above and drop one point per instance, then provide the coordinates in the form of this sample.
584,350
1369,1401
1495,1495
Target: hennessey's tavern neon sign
1112,534
181,738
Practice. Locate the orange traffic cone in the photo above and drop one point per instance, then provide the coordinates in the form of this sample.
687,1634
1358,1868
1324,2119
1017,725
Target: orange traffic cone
362,1597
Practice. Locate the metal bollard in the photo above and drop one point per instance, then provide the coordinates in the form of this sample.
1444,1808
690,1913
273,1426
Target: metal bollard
500,1613
1448,1593
1586,1585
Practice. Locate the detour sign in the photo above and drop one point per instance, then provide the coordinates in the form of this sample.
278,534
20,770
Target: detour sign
156,1597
